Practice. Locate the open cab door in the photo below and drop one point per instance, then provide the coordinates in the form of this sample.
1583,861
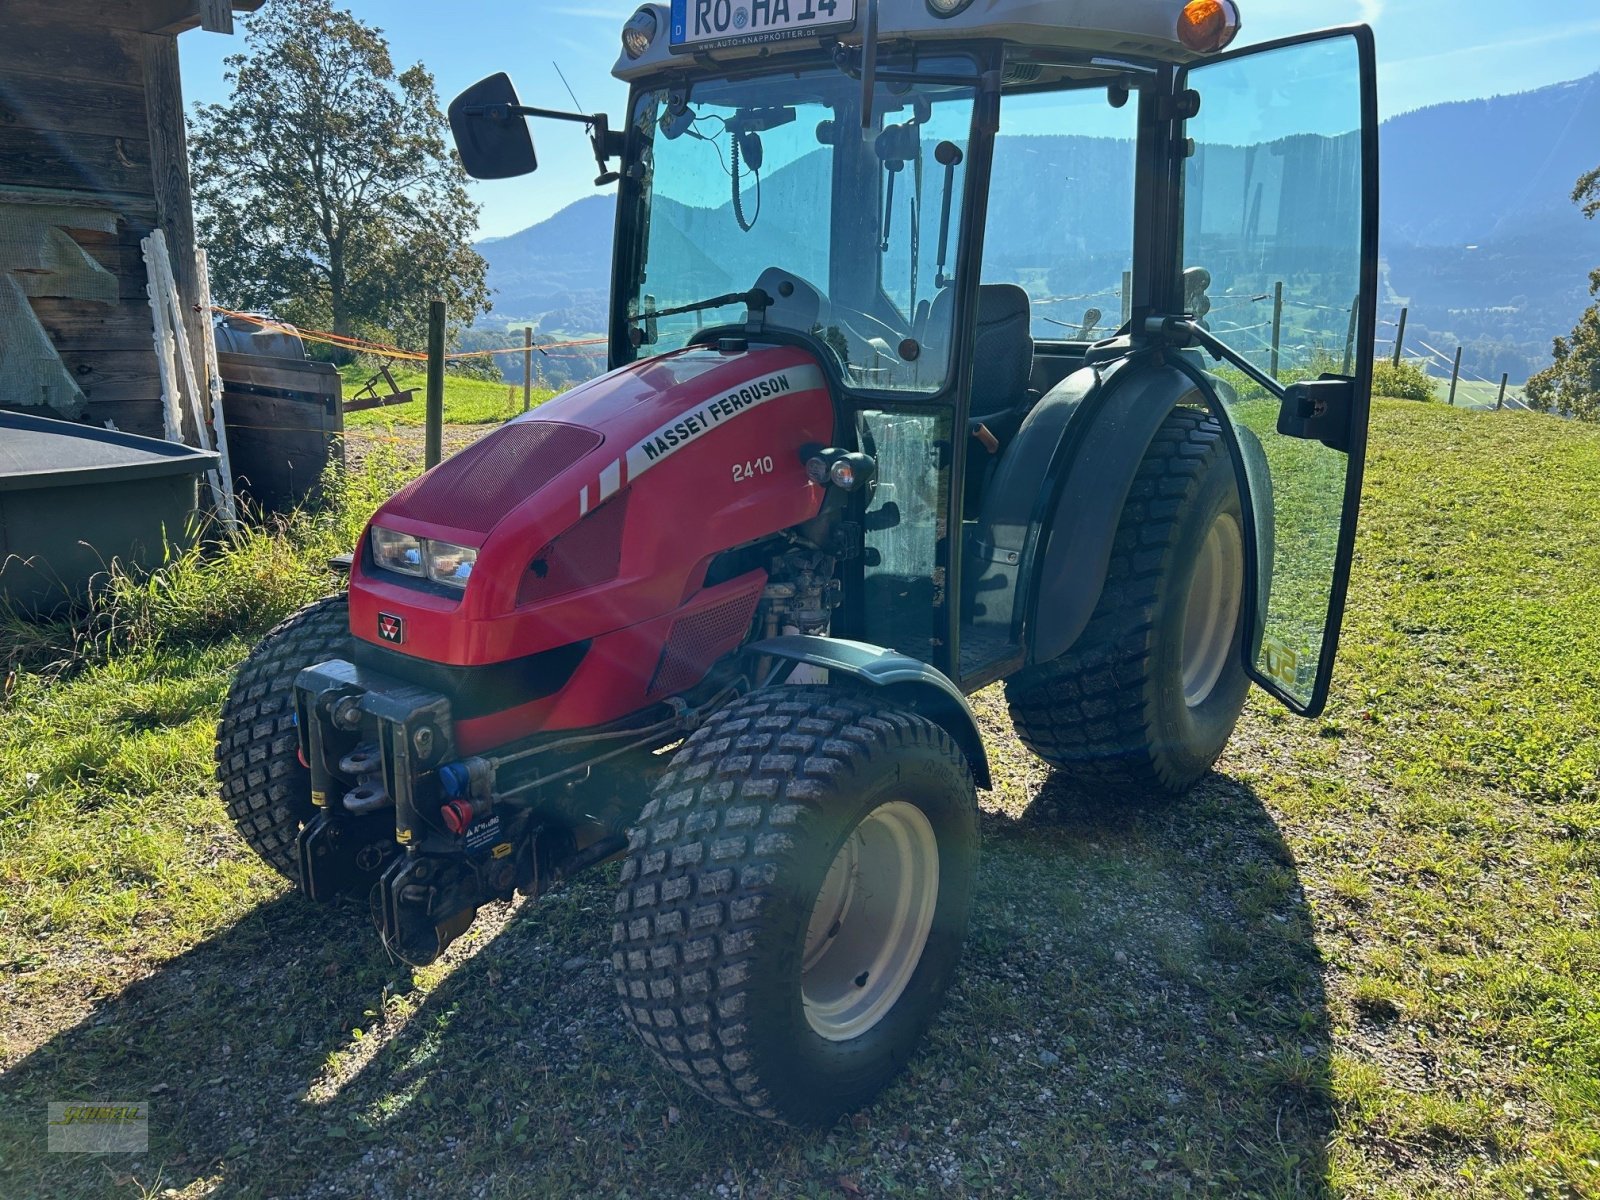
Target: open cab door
1281,210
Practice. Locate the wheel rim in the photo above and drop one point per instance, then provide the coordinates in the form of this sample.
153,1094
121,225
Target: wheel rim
1212,612
870,921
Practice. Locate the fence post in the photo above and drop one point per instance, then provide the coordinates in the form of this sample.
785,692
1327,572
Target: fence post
1277,324
1455,376
1400,336
433,417
1501,403
527,367
1350,337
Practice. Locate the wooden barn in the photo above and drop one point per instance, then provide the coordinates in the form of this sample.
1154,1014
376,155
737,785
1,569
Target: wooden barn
92,158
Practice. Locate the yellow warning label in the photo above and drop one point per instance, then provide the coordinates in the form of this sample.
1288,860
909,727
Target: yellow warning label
320,799
503,849
402,836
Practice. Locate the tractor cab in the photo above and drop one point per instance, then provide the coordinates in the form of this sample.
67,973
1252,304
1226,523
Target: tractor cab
956,208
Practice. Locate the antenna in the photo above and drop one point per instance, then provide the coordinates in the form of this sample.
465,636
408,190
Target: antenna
566,85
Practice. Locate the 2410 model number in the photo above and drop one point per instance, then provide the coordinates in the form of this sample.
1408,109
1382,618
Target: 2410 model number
746,471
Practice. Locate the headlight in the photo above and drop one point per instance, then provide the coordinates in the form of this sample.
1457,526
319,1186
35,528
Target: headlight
639,32
425,558
947,8
450,564
400,552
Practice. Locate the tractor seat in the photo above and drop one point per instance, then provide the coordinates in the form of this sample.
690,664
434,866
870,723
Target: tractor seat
1002,363
1002,358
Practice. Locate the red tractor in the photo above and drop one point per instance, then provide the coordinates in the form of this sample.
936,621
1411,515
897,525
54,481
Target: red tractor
868,444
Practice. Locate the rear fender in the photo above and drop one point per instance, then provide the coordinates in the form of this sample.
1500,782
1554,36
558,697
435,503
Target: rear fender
1104,442
903,681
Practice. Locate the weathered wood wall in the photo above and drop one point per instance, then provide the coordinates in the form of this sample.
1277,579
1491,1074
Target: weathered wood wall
91,113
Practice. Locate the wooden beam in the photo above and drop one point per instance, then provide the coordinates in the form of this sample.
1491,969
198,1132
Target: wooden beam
176,16
169,165
216,16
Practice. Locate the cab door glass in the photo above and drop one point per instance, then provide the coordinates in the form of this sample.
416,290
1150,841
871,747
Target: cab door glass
1060,217
903,572
1279,233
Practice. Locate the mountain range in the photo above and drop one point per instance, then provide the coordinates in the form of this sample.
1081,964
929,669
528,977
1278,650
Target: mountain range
1479,236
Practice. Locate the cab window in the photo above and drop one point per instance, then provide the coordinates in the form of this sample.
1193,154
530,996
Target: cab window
1060,220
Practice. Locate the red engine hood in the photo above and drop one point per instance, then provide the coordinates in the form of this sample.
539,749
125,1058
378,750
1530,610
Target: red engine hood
707,447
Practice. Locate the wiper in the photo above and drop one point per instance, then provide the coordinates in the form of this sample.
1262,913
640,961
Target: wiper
755,298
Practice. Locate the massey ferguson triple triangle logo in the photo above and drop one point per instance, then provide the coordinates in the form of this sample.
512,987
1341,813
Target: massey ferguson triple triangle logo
391,628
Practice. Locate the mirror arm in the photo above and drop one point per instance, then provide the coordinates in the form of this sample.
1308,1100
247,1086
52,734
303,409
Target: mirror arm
607,144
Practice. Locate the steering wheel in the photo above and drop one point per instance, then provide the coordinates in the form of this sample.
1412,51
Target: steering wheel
876,347
865,327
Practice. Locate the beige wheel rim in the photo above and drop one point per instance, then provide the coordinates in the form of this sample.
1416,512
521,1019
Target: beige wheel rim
870,921
1212,612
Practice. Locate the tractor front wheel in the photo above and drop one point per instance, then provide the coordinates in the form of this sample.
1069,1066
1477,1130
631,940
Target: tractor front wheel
795,899
264,784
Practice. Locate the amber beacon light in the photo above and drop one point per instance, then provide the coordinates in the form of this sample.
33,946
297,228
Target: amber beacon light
1207,26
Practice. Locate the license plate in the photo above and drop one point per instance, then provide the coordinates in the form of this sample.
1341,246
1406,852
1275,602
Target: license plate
707,24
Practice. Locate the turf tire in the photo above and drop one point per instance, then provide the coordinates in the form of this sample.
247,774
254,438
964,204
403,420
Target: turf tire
1111,710
722,874
266,790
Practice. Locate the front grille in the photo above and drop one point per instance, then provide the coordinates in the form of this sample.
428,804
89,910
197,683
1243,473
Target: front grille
475,488
479,691
699,639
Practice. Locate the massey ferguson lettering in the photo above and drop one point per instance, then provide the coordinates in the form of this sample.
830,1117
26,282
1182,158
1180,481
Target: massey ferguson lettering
696,423
712,415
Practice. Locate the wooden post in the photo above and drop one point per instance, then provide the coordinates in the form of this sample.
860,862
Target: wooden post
1501,403
1350,337
1400,335
1277,325
527,367
1127,296
208,349
176,361
433,418
1455,376
169,170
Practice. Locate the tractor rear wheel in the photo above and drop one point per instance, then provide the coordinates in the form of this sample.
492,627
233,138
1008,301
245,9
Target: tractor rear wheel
795,899
1148,696
265,786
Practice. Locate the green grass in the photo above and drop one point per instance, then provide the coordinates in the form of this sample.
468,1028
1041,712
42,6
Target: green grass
1359,960
466,401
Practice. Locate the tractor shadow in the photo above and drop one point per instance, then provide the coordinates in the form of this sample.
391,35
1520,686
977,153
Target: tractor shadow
1139,1011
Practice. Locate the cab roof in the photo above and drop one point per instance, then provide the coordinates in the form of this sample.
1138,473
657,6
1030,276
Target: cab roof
1142,30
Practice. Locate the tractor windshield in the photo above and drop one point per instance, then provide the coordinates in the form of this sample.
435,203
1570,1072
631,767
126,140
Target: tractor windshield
773,181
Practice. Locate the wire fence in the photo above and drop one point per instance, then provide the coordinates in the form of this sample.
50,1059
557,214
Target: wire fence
1277,331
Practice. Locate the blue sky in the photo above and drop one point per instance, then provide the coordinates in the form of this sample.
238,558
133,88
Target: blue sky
1429,50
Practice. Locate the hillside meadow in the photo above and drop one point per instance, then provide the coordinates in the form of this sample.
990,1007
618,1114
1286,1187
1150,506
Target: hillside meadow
1358,961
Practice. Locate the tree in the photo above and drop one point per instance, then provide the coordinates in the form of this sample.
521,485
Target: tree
324,189
1571,385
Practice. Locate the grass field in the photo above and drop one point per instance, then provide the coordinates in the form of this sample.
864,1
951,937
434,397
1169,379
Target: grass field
466,401
1360,960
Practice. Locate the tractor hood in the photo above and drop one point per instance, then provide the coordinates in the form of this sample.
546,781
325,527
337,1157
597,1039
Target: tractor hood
578,449
661,464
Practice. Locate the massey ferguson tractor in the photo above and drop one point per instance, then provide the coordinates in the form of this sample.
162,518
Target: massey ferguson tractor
952,342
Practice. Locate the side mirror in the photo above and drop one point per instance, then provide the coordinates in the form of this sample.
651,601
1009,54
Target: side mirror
491,133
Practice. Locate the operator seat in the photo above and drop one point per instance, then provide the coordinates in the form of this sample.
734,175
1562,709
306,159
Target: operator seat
1002,363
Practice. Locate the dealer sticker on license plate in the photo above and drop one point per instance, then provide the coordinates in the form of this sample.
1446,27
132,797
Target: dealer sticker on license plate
707,24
